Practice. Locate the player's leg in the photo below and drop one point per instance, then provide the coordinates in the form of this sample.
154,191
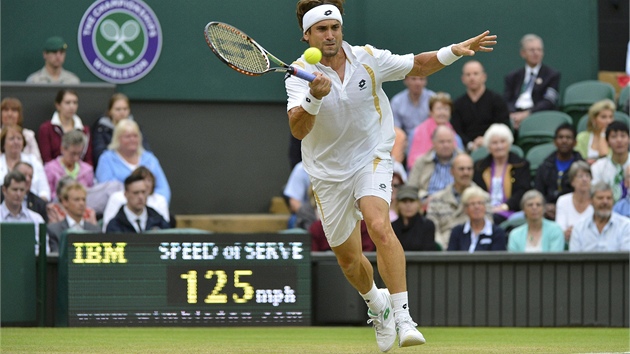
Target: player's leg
354,265
373,195
360,273
390,258
341,221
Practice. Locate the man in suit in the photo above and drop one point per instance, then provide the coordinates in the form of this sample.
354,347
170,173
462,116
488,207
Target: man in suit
72,198
534,87
31,200
136,216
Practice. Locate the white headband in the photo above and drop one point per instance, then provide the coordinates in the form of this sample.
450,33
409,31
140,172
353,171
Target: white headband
320,13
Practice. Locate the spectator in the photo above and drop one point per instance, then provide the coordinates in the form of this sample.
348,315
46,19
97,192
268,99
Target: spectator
31,200
414,232
440,107
53,72
552,179
532,88
575,206
136,216
69,162
622,207
155,201
72,198
609,169
63,120
57,213
12,210
537,234
432,171
118,109
411,105
477,233
298,193
606,231
12,115
591,144
399,178
445,209
478,108
11,145
502,173
125,154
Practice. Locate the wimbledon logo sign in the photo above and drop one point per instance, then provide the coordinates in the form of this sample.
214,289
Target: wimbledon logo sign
120,40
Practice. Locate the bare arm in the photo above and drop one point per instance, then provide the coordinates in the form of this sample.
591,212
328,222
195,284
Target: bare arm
300,121
427,63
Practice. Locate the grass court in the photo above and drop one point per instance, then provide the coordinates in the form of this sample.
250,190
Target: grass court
306,340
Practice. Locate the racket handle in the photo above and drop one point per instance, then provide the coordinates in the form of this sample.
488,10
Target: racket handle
301,74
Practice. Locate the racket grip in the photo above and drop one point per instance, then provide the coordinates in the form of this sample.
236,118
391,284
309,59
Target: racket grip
301,74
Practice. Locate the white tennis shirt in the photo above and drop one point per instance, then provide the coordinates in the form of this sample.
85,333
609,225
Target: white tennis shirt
355,123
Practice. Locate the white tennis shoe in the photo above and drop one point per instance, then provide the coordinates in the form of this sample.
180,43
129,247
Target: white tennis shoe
408,334
384,324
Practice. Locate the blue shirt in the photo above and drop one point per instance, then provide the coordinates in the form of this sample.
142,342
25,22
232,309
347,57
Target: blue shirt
615,236
441,176
111,167
622,207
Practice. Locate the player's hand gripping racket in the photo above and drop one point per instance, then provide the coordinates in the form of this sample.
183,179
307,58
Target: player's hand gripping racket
241,53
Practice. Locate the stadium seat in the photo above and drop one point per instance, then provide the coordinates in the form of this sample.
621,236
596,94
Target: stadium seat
622,102
537,154
579,96
620,116
510,224
482,152
540,128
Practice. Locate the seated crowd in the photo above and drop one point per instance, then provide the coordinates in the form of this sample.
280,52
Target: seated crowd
459,182
471,187
72,180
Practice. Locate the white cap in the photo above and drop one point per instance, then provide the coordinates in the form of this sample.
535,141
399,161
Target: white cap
320,13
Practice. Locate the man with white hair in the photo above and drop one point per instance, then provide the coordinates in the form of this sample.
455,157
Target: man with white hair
346,125
534,87
606,231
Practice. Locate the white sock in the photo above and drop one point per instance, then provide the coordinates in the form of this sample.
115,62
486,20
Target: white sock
400,304
374,299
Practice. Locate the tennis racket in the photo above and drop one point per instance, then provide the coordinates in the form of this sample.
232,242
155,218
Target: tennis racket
241,53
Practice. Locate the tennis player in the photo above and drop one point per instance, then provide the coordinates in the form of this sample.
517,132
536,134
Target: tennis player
346,126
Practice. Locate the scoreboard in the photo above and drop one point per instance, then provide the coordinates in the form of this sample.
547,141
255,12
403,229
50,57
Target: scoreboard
167,279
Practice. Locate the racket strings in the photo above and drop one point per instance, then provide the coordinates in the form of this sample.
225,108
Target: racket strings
236,48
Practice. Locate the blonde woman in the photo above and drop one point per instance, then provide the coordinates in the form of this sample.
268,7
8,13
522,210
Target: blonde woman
125,153
591,143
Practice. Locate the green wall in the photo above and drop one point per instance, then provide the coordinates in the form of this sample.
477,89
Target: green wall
187,70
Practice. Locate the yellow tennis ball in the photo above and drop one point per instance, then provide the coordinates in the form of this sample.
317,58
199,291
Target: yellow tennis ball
312,55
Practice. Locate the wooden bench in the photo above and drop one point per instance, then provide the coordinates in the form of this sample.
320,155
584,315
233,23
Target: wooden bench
234,223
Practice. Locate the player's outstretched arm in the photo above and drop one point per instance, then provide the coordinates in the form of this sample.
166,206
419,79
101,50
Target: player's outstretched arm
428,63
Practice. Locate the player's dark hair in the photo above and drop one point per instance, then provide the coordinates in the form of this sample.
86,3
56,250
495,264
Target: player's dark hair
303,6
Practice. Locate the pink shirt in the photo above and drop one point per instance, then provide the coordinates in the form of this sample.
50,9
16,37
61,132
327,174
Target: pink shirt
55,171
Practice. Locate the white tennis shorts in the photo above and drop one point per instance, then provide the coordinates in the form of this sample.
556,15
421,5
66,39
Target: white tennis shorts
338,201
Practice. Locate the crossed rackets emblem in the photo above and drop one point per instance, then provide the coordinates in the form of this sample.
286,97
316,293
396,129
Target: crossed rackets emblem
120,35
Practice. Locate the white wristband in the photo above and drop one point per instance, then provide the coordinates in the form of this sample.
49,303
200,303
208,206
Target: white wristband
446,57
311,104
